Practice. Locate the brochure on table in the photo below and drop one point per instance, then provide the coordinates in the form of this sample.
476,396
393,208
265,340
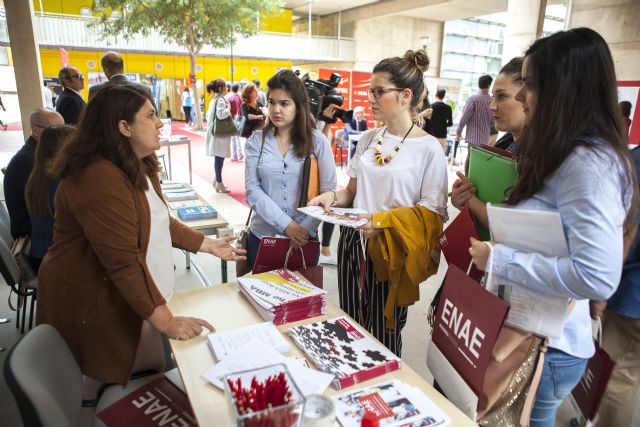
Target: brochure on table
531,231
226,342
394,403
340,216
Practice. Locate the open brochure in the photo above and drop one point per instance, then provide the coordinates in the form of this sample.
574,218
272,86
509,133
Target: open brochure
339,216
531,231
394,403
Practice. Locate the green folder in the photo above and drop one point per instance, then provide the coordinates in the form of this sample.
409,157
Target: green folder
492,174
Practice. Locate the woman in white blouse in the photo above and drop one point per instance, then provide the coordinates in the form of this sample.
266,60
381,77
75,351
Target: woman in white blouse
218,146
397,166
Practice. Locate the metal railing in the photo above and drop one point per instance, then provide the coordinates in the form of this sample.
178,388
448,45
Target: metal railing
75,32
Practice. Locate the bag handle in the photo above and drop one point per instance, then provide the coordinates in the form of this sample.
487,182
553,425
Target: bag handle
286,258
246,224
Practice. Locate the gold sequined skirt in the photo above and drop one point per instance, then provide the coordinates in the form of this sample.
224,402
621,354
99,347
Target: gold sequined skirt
506,412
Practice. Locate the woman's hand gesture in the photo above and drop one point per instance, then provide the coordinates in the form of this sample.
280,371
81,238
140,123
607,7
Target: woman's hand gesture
223,249
462,191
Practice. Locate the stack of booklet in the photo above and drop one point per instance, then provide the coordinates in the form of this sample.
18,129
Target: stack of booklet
174,192
282,296
341,348
393,403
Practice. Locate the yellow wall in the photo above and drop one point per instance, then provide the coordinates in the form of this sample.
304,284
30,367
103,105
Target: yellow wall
173,67
279,23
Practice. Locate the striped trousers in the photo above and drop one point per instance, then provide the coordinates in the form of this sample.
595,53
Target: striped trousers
374,293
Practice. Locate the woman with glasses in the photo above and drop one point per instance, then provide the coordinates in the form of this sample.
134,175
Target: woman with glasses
398,176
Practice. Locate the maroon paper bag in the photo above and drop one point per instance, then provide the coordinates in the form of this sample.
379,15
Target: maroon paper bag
454,242
158,403
587,395
273,252
467,324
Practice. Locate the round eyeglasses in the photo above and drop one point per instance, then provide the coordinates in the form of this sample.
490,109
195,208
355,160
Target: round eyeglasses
378,91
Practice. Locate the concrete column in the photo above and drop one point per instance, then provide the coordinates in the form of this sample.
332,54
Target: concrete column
618,21
26,58
525,19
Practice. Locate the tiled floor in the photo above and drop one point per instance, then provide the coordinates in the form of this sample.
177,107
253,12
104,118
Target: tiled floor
415,335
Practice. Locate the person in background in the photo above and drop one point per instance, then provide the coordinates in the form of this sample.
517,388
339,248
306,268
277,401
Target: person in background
508,114
19,169
262,97
235,101
70,103
441,119
48,96
41,189
476,116
356,127
274,165
399,176
621,336
186,101
105,282
113,68
252,109
218,146
572,159
625,107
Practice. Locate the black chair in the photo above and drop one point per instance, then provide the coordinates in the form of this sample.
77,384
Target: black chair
22,280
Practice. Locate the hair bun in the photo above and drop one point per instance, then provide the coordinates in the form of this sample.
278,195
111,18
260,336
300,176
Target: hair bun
418,58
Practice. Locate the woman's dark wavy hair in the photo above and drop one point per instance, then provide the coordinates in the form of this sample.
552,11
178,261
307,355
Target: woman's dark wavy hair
98,137
302,130
575,81
37,192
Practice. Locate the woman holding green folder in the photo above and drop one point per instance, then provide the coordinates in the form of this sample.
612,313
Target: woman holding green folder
573,159
509,117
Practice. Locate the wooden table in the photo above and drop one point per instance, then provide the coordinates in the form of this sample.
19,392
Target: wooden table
208,227
225,308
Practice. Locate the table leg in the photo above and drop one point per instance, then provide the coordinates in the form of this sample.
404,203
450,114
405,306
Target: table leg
223,266
189,152
187,255
169,154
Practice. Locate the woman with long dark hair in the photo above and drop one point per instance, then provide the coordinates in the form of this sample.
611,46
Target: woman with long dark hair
274,165
399,176
41,189
105,281
573,159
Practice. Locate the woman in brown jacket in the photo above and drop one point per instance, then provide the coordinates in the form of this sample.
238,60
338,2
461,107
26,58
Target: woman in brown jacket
102,278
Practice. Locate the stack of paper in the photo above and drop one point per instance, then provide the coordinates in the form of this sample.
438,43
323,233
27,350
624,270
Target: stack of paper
282,296
200,212
226,342
394,404
256,354
341,348
178,194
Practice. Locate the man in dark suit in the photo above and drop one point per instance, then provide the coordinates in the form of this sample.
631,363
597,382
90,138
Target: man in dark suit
70,103
113,67
19,169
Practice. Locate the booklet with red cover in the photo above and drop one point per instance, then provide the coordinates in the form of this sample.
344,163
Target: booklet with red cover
455,244
158,403
273,251
341,348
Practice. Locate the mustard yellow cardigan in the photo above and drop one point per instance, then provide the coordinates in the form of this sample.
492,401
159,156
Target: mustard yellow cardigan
405,254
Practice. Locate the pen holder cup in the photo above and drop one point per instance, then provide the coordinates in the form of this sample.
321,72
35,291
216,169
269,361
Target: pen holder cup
285,415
